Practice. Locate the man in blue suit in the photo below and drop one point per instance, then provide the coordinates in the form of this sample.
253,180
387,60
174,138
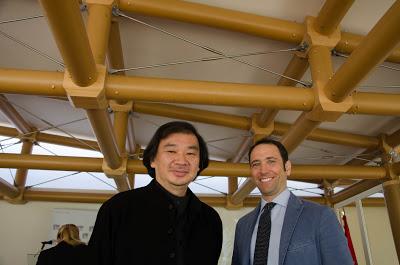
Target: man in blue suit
300,232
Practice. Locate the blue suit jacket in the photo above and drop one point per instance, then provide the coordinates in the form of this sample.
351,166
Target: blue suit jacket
311,234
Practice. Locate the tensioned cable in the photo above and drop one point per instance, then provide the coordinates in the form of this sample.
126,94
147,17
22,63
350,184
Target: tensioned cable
32,48
119,13
9,145
221,149
43,129
47,181
227,138
204,59
320,194
199,178
46,128
90,174
378,86
205,186
20,19
359,156
52,125
156,125
338,54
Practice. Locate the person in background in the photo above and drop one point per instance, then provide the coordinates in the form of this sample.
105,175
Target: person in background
163,223
284,229
69,249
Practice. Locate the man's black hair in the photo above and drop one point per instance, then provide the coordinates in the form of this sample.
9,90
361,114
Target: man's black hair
163,132
282,150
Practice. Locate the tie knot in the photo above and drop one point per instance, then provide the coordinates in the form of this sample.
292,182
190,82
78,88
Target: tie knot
268,207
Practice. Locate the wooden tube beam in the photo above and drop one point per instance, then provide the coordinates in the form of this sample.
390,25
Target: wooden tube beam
191,114
130,136
280,129
330,15
101,197
376,46
341,171
321,70
375,104
195,92
244,123
68,141
21,173
217,17
98,28
115,56
47,162
71,196
243,191
209,93
267,27
295,69
298,132
103,132
68,29
239,154
120,128
354,189
336,137
7,189
29,82
14,117
66,163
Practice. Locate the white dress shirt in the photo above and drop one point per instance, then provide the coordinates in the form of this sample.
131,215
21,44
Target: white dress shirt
277,217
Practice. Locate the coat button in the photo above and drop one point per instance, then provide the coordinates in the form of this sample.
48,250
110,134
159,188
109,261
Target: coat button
170,231
170,207
172,255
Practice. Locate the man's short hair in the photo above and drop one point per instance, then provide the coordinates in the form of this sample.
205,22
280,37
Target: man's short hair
166,130
282,150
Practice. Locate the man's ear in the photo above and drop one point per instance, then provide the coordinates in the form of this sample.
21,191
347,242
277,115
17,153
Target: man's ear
288,167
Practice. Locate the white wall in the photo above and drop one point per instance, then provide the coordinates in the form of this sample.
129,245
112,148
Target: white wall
23,227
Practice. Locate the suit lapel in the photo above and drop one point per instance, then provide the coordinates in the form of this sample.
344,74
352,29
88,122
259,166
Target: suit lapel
293,211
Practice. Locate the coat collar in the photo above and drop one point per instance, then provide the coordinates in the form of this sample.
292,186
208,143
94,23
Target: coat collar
294,208
194,204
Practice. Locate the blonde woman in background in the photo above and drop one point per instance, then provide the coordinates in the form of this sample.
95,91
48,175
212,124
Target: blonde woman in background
69,249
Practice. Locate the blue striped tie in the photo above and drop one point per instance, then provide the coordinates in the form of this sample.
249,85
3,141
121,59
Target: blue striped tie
263,235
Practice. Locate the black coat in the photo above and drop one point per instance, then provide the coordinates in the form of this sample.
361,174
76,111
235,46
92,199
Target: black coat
63,254
137,227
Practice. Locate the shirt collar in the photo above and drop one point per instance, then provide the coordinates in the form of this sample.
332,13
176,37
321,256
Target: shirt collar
282,199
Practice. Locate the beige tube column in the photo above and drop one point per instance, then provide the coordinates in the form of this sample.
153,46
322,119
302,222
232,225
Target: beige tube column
7,189
391,190
22,173
26,133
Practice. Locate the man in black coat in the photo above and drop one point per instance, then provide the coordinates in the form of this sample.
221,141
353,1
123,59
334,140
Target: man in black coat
163,223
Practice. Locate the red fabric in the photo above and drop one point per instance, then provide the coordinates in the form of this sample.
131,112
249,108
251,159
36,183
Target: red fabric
349,241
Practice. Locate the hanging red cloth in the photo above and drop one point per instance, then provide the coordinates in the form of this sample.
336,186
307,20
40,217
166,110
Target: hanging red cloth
349,241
